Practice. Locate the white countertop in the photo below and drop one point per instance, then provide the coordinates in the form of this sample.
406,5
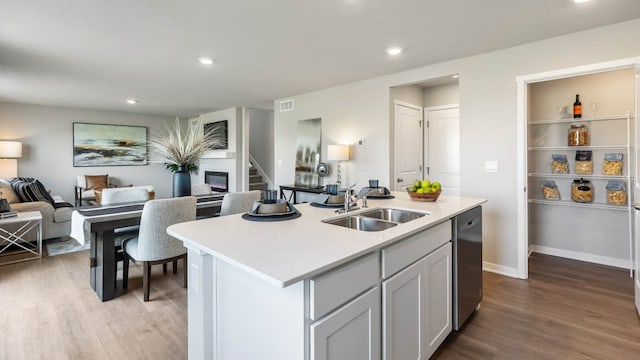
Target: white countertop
285,252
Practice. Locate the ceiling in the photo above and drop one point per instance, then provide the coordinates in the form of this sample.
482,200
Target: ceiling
96,53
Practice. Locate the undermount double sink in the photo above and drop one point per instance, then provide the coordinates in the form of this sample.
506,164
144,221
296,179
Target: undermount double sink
376,219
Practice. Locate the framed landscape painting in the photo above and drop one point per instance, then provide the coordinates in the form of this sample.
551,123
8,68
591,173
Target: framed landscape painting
109,145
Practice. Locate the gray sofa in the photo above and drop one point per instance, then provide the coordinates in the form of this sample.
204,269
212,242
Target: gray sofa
55,222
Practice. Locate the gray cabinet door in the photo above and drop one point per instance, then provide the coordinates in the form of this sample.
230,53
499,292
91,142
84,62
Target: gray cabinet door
416,305
439,297
350,333
403,318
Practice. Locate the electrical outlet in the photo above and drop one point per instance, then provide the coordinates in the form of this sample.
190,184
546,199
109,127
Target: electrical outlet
360,142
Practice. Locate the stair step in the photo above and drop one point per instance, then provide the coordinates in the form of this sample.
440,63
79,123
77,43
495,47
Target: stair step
255,179
253,171
259,186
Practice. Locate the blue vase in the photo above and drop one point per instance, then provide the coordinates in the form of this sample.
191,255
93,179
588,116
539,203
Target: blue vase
181,183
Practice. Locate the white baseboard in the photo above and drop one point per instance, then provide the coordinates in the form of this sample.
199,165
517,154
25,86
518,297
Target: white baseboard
597,259
500,269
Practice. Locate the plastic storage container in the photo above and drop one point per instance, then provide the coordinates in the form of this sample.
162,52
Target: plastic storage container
584,164
612,164
559,164
616,193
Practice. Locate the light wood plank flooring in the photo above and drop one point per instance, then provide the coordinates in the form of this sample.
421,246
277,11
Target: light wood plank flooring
566,310
49,311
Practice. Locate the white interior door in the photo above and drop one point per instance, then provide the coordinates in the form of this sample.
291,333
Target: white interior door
408,144
636,200
442,147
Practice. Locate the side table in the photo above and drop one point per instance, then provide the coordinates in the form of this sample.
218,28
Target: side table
12,239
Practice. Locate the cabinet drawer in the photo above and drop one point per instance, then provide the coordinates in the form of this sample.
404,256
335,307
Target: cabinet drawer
330,290
398,256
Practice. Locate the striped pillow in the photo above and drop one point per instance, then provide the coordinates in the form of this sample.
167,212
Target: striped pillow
30,189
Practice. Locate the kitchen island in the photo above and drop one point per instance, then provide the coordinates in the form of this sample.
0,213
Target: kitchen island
306,289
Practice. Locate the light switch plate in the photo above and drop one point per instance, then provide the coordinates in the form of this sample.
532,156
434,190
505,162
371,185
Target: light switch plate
491,166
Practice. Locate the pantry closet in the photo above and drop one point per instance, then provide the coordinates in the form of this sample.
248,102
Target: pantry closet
580,171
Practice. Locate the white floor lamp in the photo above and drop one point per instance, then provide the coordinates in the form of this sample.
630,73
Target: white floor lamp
338,153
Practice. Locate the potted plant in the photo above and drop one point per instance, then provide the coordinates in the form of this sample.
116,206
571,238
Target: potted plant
181,151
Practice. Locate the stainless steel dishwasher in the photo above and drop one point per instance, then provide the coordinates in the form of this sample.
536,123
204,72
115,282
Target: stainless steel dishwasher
467,265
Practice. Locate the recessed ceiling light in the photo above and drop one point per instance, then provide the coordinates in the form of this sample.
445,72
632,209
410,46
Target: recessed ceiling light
394,50
455,76
580,1
205,60
132,101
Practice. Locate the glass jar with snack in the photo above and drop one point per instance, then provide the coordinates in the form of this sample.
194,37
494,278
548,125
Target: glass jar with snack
578,135
581,191
612,164
616,193
559,164
584,164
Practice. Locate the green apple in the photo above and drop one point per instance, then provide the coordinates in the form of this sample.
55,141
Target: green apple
412,188
425,184
435,186
417,184
420,191
427,190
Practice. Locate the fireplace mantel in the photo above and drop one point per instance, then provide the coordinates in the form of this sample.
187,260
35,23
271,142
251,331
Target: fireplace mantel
220,154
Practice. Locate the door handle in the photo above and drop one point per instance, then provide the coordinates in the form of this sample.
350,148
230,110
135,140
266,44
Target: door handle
636,206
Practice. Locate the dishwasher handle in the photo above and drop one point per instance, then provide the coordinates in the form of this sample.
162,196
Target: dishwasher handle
469,224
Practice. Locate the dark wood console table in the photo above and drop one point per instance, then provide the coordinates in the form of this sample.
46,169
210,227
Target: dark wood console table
298,188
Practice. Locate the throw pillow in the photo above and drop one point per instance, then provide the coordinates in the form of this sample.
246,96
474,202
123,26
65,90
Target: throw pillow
7,193
96,182
29,191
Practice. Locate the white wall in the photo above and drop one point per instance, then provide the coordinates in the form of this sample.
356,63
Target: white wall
487,120
231,160
261,138
441,95
47,136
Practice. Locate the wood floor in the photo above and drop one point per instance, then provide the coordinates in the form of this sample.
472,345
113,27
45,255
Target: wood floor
566,310
49,311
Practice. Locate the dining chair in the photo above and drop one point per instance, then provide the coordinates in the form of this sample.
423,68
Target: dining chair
200,189
153,245
124,194
239,202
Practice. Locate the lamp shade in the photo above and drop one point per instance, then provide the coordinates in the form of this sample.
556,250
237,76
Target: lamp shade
338,152
10,149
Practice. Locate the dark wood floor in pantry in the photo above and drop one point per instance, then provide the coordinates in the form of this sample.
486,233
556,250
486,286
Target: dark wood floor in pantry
565,310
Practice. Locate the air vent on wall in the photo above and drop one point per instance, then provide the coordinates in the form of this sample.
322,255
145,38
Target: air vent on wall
286,105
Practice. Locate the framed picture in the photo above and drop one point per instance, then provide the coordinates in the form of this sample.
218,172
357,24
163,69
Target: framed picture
220,128
109,145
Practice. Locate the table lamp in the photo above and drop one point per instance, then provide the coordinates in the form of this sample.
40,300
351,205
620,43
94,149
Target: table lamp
10,151
338,153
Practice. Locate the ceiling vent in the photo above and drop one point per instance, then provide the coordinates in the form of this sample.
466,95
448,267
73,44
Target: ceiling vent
286,105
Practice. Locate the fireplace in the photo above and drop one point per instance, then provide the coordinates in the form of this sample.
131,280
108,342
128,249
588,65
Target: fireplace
218,180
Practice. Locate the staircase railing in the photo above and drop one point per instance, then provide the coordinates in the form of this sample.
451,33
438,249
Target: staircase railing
257,166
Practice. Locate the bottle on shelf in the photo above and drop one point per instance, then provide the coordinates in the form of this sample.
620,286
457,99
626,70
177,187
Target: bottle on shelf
577,108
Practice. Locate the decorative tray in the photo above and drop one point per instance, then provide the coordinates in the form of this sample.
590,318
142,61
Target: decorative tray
383,193
255,215
322,201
